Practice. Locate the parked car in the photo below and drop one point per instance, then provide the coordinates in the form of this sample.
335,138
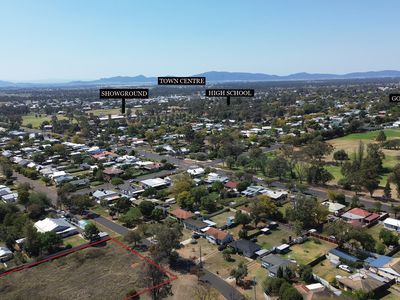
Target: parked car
345,268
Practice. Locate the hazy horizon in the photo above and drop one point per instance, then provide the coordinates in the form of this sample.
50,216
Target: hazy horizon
58,41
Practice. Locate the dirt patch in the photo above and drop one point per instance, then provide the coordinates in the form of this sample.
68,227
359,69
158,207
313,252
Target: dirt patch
93,273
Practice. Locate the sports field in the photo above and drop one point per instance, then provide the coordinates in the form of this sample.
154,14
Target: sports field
350,144
104,271
36,121
371,135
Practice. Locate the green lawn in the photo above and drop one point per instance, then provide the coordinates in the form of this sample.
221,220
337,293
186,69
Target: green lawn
37,121
328,271
388,162
374,231
75,240
112,111
267,241
335,171
216,263
308,251
221,219
371,135
259,274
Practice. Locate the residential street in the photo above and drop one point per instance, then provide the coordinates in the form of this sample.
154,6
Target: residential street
227,290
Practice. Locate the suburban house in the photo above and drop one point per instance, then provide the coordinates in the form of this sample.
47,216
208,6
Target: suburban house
336,256
273,262
255,190
231,185
107,195
334,208
196,171
315,291
218,237
358,216
245,247
154,183
194,224
7,195
365,281
181,214
109,173
385,266
213,177
391,224
5,254
59,226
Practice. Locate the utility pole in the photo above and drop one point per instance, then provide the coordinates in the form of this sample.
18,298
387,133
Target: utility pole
201,263
255,288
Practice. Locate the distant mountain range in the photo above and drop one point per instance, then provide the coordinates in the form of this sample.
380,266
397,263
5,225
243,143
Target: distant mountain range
213,76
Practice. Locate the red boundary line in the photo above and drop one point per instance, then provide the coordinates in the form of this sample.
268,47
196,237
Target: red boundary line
172,275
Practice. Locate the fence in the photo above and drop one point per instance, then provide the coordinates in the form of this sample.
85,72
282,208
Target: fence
322,237
326,284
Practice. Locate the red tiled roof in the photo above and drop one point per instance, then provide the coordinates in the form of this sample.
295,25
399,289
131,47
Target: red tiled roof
181,213
372,217
359,212
216,233
231,184
112,171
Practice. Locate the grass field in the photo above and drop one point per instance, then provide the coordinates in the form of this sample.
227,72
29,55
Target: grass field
328,271
267,241
222,218
259,274
308,251
98,112
37,121
103,272
350,144
371,135
75,240
216,263
374,231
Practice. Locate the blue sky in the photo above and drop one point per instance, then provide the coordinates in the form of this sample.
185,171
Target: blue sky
87,39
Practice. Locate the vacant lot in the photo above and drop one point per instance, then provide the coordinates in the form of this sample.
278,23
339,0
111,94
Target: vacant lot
308,251
102,272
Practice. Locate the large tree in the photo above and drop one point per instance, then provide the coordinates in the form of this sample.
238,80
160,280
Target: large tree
308,211
91,231
168,239
262,208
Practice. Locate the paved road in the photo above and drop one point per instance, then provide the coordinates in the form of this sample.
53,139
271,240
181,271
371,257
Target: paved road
228,291
111,225
38,187
322,195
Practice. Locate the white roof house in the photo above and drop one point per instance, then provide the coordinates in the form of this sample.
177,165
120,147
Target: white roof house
196,171
10,197
59,226
213,177
392,224
154,182
333,207
57,174
101,194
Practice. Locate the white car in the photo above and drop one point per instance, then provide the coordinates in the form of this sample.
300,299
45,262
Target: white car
345,268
